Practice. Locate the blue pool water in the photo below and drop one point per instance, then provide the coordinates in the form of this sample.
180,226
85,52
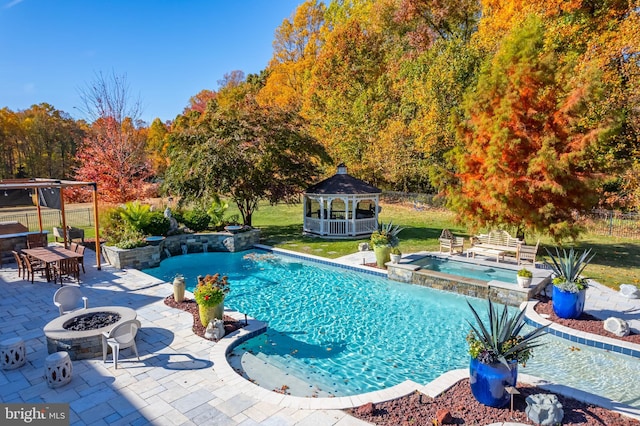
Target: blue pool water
346,332
467,269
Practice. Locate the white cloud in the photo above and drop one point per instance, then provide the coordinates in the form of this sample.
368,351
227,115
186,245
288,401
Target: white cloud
12,3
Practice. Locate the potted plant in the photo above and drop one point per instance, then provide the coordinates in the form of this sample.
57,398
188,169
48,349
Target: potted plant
569,287
383,240
396,255
496,349
209,294
524,277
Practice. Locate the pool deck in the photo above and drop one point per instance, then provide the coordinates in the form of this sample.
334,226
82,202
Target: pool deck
182,379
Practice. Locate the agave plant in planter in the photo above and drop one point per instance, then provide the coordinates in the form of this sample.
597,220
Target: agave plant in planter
496,349
569,287
383,239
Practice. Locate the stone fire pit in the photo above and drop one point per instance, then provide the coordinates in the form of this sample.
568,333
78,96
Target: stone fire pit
83,344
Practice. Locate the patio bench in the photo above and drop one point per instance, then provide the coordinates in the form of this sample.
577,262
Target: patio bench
499,254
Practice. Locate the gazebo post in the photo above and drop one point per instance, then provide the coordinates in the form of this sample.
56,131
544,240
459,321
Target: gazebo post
64,218
96,224
37,190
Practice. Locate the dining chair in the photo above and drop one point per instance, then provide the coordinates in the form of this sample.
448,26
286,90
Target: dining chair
32,266
37,240
66,268
22,268
79,248
121,336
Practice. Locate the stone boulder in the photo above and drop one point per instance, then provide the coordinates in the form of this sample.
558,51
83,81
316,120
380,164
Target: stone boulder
544,409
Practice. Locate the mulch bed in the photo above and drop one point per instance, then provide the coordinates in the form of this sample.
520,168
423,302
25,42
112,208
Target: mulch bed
585,322
458,401
190,305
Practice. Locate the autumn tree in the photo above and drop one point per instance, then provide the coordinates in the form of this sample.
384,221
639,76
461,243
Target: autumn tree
113,153
527,157
247,152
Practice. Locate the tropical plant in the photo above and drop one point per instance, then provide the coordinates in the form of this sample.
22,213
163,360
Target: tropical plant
386,235
568,267
216,211
500,339
136,215
525,273
211,290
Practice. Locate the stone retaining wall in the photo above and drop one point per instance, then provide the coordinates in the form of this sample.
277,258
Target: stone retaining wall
151,256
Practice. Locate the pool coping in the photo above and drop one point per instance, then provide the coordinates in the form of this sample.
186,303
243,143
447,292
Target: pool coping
237,384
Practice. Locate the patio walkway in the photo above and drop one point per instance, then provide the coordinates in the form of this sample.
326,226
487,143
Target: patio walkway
174,383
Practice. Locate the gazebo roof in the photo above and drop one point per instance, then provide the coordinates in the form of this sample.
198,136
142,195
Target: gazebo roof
342,183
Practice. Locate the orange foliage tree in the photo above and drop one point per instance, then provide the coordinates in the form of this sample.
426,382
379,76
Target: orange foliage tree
527,158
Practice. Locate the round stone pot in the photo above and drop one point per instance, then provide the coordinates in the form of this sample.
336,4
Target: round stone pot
524,282
178,288
568,305
209,313
488,382
383,255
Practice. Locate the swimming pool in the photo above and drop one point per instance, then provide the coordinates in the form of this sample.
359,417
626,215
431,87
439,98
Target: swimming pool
344,332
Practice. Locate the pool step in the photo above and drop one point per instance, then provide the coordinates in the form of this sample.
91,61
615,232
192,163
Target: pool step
271,373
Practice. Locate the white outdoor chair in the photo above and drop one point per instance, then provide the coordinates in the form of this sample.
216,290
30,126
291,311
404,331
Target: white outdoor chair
68,299
121,336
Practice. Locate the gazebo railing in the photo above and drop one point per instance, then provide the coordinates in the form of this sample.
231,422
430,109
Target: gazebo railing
340,227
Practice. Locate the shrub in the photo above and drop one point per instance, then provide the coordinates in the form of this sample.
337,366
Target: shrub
136,215
158,224
197,219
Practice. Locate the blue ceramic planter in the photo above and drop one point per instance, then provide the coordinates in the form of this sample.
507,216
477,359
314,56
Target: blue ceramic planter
488,382
566,304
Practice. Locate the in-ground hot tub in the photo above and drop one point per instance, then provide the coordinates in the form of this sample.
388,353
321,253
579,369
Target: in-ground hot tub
83,344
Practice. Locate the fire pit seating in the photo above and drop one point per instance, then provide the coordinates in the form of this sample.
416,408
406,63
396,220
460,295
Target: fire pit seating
496,243
121,337
68,299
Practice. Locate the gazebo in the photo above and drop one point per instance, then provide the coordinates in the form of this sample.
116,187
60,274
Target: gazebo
341,206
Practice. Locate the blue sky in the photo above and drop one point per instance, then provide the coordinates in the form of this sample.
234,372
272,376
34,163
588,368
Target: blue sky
169,50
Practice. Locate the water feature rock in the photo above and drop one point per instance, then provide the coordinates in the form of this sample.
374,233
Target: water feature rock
617,326
544,409
630,291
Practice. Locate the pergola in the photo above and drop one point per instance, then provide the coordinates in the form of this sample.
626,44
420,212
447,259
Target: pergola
38,183
341,206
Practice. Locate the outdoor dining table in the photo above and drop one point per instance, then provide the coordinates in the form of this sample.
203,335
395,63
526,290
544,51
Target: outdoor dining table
50,255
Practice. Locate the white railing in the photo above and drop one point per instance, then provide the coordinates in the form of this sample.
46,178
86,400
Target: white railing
339,227
365,226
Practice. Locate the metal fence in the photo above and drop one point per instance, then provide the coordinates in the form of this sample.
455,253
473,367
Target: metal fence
613,223
79,218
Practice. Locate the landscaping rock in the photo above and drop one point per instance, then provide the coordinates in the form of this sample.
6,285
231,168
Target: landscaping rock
630,291
444,417
366,409
544,409
617,326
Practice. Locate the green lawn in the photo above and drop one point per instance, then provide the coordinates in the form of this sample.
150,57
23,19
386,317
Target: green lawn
617,260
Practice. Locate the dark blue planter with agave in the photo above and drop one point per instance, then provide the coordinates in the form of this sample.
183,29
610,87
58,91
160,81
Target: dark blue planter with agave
567,304
496,349
569,288
488,381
